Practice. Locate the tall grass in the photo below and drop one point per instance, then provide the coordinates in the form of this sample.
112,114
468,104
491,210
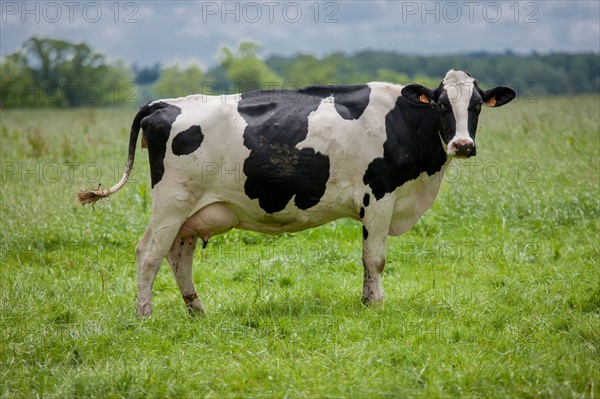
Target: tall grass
494,293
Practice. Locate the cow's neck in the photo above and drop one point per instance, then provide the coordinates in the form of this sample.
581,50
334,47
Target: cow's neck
423,128
412,147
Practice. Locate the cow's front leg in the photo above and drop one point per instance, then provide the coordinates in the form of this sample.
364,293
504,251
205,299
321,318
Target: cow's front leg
374,262
375,232
181,259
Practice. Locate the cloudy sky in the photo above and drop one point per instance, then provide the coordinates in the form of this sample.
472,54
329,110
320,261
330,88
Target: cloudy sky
146,32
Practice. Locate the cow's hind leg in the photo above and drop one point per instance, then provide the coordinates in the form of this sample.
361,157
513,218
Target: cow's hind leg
181,259
211,220
152,249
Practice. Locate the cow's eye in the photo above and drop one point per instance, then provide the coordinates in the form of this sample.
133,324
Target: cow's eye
443,107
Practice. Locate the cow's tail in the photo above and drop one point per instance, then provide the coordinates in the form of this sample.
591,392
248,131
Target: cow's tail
91,196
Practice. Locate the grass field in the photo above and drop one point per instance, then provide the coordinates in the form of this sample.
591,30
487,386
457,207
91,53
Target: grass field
494,293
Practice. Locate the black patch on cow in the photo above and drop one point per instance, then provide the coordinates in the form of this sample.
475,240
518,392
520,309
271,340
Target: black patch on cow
187,141
447,122
277,121
366,200
349,101
362,212
412,147
365,233
157,128
473,119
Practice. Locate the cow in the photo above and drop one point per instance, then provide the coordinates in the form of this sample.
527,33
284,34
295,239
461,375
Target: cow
293,160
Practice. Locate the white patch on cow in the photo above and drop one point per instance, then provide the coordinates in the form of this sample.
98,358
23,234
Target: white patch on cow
351,145
213,174
459,87
413,199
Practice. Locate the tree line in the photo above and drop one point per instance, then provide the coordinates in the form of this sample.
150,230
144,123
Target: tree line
56,73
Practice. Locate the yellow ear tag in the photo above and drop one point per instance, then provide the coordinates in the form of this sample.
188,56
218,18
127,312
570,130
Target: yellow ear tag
491,102
423,98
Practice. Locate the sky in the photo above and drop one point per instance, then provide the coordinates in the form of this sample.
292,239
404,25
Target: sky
147,32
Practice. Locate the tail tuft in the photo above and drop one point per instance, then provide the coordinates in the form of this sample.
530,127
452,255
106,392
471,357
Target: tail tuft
92,196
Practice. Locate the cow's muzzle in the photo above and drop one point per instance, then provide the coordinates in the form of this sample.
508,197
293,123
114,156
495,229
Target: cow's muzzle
463,148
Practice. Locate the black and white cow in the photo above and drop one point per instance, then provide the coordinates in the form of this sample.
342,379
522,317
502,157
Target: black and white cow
284,161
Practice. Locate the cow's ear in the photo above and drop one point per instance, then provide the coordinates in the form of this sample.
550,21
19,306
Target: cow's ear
417,93
498,96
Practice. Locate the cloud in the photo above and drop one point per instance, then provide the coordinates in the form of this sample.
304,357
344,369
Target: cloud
161,31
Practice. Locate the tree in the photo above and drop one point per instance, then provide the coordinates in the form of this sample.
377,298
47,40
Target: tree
51,72
245,70
146,75
391,76
177,82
306,70
13,81
346,71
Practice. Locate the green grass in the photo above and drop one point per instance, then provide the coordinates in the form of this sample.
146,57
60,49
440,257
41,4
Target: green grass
494,293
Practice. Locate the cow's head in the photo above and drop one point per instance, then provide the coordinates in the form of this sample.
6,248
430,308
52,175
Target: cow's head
458,99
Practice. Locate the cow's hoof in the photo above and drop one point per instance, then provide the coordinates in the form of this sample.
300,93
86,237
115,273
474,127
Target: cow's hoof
196,308
144,311
372,302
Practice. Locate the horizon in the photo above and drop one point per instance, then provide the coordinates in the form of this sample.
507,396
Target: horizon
216,64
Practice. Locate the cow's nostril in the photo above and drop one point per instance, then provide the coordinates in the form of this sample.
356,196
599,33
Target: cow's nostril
464,149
